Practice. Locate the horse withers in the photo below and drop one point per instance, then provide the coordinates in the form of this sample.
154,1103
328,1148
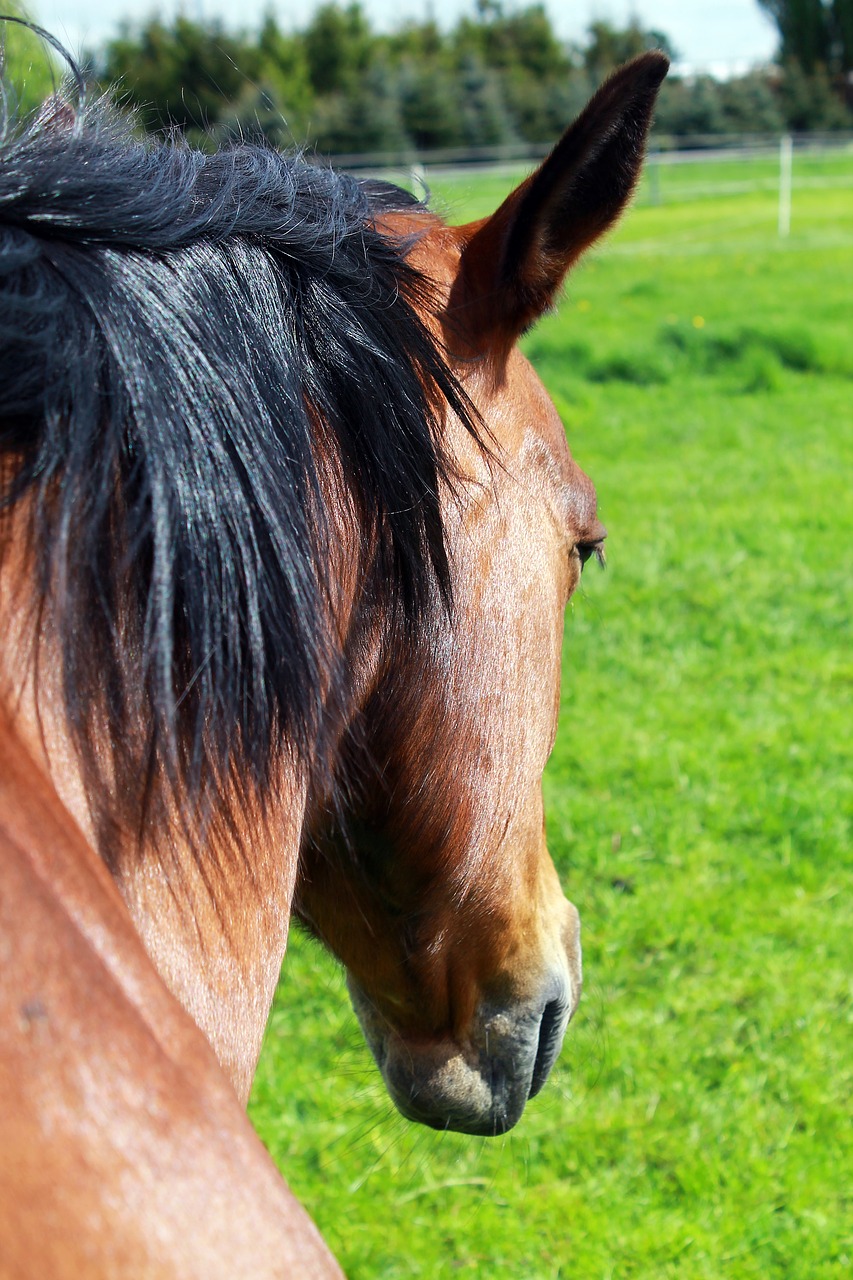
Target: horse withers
288,530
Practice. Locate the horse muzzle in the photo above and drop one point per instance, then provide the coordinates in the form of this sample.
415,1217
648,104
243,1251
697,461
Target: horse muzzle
478,1081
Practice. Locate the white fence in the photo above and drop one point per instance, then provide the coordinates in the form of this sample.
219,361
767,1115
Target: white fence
755,165
666,150
676,169
739,167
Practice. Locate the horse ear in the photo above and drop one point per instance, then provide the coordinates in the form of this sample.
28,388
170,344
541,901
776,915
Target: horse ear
514,262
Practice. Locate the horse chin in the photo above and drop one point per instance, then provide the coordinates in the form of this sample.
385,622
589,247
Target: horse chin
478,1083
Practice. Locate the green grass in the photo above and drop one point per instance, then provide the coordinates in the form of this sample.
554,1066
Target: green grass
699,803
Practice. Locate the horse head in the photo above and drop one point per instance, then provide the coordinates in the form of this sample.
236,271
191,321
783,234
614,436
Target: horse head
287,530
426,868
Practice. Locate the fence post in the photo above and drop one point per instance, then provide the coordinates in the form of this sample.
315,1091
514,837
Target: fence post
786,156
654,175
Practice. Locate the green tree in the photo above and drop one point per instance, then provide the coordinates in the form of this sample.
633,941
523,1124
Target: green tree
431,107
816,41
485,120
690,107
182,75
498,75
750,105
842,31
814,33
284,73
810,101
541,111
367,119
419,41
31,71
337,47
529,68
608,46
521,38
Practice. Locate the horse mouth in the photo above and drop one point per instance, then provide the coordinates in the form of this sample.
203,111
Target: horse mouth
479,1085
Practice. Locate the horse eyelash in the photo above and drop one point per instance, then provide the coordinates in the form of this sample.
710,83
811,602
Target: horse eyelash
586,550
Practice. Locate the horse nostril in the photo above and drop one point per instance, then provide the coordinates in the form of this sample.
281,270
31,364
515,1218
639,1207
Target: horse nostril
551,1030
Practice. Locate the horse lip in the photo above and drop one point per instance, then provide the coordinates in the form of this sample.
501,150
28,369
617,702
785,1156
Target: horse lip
509,1091
488,1124
552,1029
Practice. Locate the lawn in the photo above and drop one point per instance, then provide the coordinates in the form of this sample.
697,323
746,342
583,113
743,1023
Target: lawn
699,797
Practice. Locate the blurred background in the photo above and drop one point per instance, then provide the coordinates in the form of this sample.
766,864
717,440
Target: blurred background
395,81
700,795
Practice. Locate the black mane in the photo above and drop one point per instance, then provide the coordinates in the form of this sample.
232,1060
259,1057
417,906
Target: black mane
173,327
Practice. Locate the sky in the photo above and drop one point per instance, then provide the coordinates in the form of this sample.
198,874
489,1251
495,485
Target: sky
725,37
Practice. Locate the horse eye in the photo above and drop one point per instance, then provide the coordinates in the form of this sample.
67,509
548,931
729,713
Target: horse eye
586,550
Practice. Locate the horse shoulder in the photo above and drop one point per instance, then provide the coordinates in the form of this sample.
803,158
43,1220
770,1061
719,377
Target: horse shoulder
125,1149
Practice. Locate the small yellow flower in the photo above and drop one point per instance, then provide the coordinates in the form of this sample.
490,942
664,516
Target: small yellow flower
698,322
584,304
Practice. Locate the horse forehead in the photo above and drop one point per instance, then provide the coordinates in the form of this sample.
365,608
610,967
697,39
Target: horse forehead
527,410
527,427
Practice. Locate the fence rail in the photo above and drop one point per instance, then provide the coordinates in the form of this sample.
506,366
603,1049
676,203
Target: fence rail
731,167
780,165
669,149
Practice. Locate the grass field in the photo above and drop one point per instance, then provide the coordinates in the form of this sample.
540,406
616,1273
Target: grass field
699,799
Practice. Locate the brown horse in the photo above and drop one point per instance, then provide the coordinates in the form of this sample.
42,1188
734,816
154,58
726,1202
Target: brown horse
288,531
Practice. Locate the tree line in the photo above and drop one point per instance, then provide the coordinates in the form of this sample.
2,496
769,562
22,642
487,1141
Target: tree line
496,78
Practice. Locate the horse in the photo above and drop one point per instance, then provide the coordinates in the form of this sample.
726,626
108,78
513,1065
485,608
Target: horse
288,529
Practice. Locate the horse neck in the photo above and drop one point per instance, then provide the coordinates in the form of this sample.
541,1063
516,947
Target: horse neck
212,908
213,914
